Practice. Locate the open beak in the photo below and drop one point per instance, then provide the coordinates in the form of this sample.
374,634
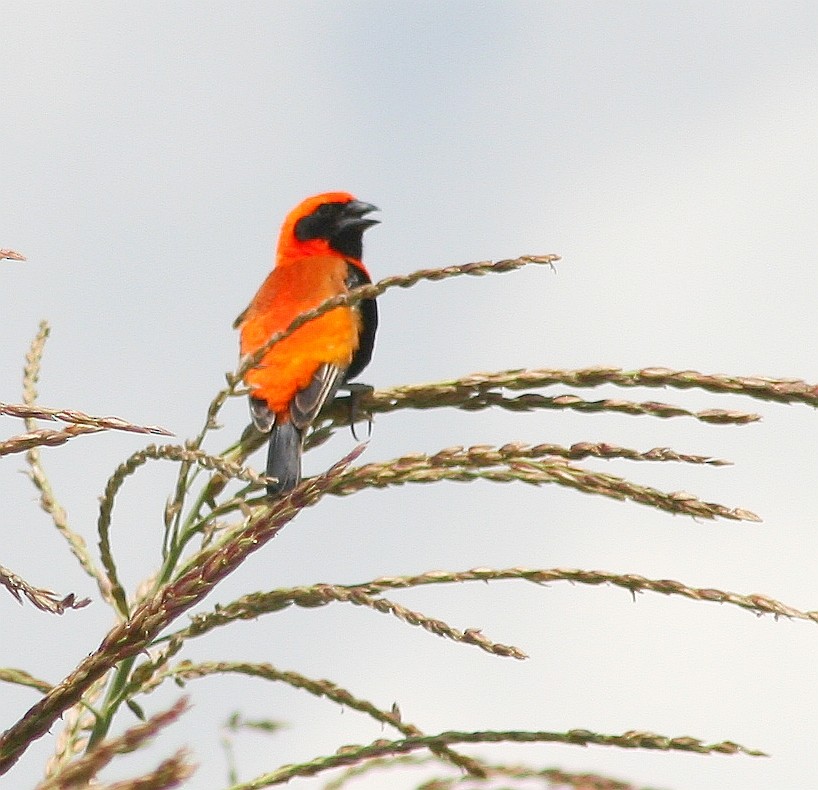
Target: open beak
354,216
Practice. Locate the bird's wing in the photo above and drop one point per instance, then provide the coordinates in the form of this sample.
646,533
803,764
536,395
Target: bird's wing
263,417
369,322
308,402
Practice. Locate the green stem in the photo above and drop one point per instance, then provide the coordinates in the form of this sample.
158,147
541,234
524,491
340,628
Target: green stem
113,699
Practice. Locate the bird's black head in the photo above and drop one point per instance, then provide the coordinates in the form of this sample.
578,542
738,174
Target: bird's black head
340,223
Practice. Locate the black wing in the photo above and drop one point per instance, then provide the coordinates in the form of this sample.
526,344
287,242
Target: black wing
369,323
308,402
261,415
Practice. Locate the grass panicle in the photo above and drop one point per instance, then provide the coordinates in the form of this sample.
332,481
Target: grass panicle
351,755
45,600
187,670
82,771
147,620
44,438
215,519
255,605
20,677
466,467
74,417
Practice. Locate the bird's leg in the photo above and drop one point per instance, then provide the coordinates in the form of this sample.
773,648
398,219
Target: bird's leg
357,391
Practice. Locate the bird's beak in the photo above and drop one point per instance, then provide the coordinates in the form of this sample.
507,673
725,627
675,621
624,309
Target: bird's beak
353,216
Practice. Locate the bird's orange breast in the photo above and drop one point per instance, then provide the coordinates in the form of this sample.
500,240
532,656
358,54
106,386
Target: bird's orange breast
290,289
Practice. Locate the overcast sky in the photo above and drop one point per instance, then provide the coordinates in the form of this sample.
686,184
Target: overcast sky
148,154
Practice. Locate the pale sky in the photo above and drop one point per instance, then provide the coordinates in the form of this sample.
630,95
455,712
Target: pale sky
148,154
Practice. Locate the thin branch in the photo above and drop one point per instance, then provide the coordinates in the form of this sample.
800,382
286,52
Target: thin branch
463,467
20,677
44,438
187,670
758,604
36,473
582,450
789,390
482,390
254,605
78,418
443,395
630,740
472,636
488,455
75,541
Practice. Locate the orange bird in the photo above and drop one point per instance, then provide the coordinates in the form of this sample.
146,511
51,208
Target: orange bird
318,256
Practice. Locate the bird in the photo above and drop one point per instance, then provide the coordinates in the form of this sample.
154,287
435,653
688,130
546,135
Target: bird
318,256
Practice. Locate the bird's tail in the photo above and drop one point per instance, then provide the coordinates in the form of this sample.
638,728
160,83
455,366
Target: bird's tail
284,458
